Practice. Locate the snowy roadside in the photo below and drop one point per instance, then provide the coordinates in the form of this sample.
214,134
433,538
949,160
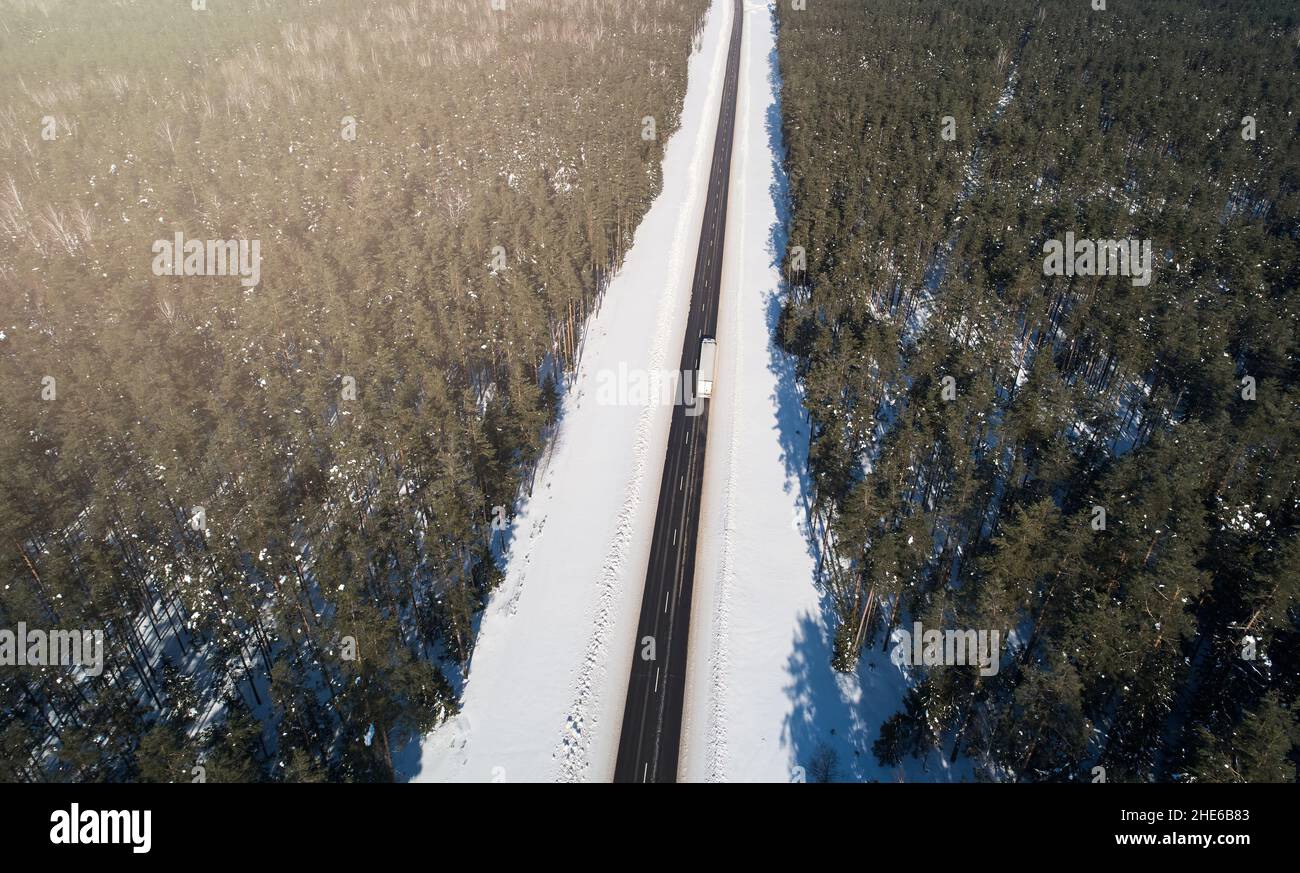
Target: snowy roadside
544,697
761,697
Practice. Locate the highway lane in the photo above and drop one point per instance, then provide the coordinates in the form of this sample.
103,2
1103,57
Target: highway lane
652,715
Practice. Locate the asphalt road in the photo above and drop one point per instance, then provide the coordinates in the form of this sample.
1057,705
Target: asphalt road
652,715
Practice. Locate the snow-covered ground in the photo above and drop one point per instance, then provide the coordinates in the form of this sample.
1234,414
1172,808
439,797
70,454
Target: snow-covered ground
544,696
761,697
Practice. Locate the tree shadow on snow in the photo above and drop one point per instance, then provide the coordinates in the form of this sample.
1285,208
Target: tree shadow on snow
792,422
834,717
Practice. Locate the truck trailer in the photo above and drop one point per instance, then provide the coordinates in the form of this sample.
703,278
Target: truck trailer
708,360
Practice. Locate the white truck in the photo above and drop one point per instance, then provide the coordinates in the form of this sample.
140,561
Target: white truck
708,359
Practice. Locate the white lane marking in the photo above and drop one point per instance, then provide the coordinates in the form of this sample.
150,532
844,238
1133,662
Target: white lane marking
674,536
680,483
646,772
666,594
656,680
